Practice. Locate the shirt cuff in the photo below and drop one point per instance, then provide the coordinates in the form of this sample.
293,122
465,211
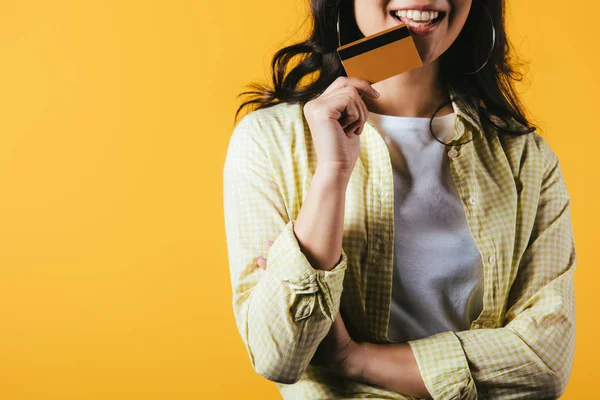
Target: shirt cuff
444,367
286,261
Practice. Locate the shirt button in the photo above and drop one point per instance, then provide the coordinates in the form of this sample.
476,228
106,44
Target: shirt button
492,260
488,324
453,153
472,200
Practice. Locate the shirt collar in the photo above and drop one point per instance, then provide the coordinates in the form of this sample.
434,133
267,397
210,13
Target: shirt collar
462,117
464,123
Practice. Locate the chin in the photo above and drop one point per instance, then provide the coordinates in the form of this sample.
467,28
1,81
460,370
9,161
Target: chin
428,51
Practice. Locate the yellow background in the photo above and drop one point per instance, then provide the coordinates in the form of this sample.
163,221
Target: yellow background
114,122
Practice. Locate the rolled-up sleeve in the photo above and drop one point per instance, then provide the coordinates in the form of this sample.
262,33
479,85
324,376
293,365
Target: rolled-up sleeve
531,356
285,311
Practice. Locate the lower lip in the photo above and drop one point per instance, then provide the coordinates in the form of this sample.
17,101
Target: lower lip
420,30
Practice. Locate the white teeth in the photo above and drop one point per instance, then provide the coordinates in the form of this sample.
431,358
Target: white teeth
418,24
417,15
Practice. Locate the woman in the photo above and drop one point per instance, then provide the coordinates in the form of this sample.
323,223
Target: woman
418,229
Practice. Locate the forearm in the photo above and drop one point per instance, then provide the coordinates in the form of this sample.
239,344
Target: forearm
284,311
288,315
392,367
320,222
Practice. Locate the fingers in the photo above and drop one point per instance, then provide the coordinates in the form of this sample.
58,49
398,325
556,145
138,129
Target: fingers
354,111
262,262
344,99
356,127
360,84
350,112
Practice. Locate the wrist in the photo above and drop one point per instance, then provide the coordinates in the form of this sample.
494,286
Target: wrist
332,176
357,361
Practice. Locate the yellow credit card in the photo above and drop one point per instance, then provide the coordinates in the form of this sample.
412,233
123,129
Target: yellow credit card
380,56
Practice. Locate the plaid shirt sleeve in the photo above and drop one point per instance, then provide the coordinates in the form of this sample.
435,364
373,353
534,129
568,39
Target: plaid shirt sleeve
284,312
531,355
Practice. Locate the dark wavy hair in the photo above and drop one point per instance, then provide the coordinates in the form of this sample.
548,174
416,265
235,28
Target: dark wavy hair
489,91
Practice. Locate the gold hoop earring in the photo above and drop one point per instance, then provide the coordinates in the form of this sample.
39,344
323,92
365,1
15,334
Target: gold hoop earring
493,40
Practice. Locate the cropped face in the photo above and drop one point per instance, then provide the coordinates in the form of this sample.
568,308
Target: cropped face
434,24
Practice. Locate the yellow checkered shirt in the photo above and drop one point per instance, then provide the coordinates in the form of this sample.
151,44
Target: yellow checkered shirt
518,211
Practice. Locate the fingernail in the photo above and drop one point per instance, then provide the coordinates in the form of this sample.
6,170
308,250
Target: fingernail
376,92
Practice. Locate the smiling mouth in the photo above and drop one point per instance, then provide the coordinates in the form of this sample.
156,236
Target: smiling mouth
417,18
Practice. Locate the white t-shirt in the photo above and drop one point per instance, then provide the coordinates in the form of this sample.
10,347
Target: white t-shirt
438,269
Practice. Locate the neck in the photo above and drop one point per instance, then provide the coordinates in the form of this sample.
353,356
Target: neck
415,93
